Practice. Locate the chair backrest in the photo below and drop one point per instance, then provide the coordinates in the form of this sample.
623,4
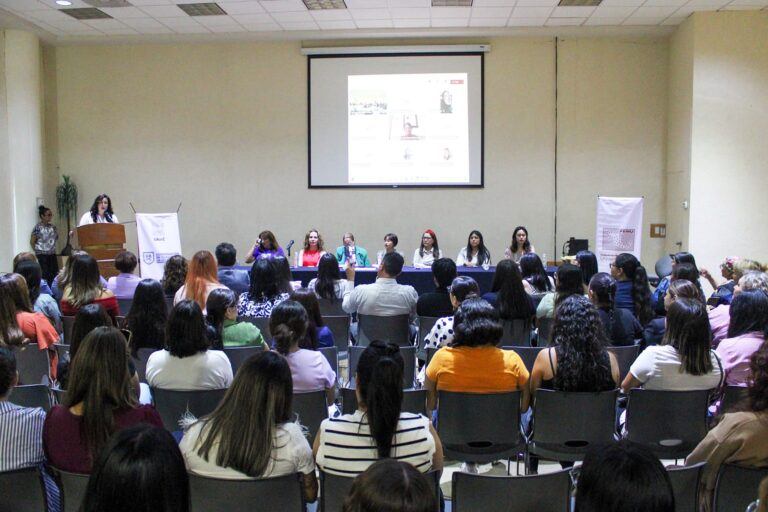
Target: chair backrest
517,333
549,492
527,354
334,489
566,425
625,356
62,351
68,323
409,357
172,405
732,395
328,308
736,487
339,326
536,298
238,355
32,364
479,427
22,491
414,400
261,323
124,305
425,325
73,487
312,409
685,486
282,493
393,329
670,423
32,395
142,356
332,355
545,331
59,394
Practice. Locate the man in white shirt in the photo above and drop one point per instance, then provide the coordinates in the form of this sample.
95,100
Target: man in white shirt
385,297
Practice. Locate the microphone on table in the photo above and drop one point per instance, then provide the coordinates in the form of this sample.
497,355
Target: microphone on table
288,247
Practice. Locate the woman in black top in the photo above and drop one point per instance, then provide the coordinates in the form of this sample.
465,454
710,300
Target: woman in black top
507,293
621,326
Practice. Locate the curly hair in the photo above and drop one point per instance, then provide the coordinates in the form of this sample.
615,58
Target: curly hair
320,242
580,339
174,274
757,391
476,323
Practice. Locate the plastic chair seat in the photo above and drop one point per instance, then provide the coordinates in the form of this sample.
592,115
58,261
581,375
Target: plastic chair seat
543,493
282,493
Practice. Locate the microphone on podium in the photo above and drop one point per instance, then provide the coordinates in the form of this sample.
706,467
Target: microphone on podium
288,247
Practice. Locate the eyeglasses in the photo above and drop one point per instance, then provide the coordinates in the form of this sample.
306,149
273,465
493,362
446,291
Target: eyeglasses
612,265
426,238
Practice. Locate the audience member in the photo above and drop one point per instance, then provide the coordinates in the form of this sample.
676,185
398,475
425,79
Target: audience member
99,401
202,277
174,275
266,246
310,369
623,477
283,275
328,284
679,288
508,294
438,303
30,256
379,428
620,325
720,317
41,302
587,262
473,363
739,437
87,319
318,334
661,288
535,278
263,294
147,317
223,328
187,364
632,289
251,434
140,470
520,245
124,284
231,277
568,281
475,254
373,489
43,241
385,297
441,334
723,292
84,287
747,331
310,254
428,251
348,245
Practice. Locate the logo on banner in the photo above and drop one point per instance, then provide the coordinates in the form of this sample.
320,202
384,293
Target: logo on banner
618,239
148,257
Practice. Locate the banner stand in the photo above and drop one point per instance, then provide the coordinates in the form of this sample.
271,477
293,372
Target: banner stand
619,229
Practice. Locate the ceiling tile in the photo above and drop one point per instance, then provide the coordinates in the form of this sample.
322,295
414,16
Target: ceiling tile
450,22
531,12
411,23
215,21
293,17
652,12
336,24
140,3
410,12
564,22
366,4
374,23
526,22
142,23
674,20
154,30
635,20
251,7
735,7
537,3
613,12
69,25
572,12
491,12
595,21
487,22
331,15
451,12
163,11
494,3
124,12
664,3
190,29
625,3
410,3
369,14
255,19
227,29
264,27
187,21
104,24
283,5
756,3
299,25
23,5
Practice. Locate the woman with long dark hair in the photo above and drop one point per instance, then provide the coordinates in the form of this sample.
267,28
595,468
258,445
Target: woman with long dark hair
328,284
568,281
100,401
684,361
283,275
520,245
379,428
318,334
632,289
251,433
85,287
661,289
43,241
100,212
223,328
746,334
202,278
147,317
535,278
264,293
507,293
428,250
475,254
41,302
587,262
87,319
620,325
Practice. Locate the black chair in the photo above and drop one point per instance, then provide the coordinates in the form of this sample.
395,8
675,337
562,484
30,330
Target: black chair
172,405
670,423
685,485
124,305
736,487
328,308
479,427
32,395
545,331
62,351
282,493
68,322
339,326
142,356
527,354
311,408
543,493
414,400
238,355
517,333
393,329
332,356
566,425
425,325
334,488
59,394
72,487
22,491
409,356
261,323
625,356
32,364
431,353
732,396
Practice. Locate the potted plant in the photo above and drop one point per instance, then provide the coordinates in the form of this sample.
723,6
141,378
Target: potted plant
66,203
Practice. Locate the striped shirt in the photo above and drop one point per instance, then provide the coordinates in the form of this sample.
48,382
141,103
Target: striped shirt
348,448
21,436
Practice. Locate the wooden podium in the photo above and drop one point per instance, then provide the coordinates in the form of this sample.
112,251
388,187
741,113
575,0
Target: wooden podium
103,241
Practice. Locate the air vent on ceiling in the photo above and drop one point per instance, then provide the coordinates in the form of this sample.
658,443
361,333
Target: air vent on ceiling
319,5
204,9
86,13
579,3
107,3
451,3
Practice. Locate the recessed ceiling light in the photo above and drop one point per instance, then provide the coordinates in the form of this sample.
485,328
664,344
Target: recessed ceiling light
63,2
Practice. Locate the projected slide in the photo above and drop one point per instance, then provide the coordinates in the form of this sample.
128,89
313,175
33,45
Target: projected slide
408,128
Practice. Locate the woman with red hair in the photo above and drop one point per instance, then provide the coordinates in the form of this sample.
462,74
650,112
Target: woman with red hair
428,251
202,278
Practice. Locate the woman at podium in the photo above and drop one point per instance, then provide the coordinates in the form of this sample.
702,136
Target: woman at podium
100,212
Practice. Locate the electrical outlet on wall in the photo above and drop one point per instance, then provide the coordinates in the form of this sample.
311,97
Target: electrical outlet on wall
40,201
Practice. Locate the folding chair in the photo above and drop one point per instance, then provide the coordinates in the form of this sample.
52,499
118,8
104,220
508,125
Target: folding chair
261,323
685,486
334,489
409,356
545,331
736,487
425,325
311,409
32,364
332,356
172,405
339,326
392,329
328,308
282,493
414,400
32,395
22,491
527,354
73,487
625,356
68,322
238,355
543,493
142,356
517,333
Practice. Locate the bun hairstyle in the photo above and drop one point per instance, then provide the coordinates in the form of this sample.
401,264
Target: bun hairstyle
288,325
219,300
641,292
380,383
42,210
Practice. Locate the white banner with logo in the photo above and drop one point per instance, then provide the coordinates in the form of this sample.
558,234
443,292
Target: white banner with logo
158,240
619,228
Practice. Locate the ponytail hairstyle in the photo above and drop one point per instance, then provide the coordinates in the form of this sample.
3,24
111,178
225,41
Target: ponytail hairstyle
464,287
380,383
288,325
689,333
511,298
219,300
603,288
42,210
327,276
569,282
533,271
483,254
308,299
641,292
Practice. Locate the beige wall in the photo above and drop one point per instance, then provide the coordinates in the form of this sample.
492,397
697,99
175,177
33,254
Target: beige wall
221,128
